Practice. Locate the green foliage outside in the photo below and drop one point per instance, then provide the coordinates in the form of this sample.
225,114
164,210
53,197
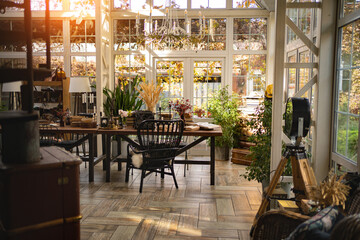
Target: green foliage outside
260,123
223,108
124,97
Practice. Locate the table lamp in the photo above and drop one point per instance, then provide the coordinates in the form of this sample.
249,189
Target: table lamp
13,88
80,86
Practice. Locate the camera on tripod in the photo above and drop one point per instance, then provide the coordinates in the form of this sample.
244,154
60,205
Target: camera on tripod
297,119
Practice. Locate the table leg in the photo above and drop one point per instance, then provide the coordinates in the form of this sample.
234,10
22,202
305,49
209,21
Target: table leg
91,157
103,139
108,157
212,161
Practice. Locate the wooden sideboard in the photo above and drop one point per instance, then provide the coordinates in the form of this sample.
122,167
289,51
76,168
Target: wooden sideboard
41,200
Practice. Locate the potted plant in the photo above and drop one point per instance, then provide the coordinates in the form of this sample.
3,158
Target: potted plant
260,123
123,97
223,108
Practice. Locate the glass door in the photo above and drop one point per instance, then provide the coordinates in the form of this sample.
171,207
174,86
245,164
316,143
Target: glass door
206,79
170,74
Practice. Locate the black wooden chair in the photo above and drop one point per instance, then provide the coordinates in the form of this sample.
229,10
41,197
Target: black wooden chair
158,141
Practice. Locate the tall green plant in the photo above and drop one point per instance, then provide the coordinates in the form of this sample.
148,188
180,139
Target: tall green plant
124,97
223,108
260,123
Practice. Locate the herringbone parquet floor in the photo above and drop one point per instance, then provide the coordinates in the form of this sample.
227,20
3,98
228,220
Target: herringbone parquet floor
196,210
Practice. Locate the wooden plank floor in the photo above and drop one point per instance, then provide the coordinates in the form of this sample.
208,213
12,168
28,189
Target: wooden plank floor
196,210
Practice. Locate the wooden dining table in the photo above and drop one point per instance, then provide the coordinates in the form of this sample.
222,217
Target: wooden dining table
202,135
125,134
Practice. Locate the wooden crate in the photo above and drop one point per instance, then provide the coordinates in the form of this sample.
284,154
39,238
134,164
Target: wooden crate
241,156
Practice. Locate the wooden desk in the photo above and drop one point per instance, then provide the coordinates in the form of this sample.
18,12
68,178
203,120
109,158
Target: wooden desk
203,134
91,132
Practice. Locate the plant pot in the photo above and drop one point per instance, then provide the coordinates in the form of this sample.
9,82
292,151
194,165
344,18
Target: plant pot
222,153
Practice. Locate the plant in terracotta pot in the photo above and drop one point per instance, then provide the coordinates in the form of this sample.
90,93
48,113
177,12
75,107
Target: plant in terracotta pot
223,108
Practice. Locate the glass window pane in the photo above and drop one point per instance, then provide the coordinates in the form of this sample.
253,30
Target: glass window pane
356,44
82,5
348,6
199,4
160,4
217,4
245,4
344,79
122,4
78,66
342,123
354,100
250,34
207,79
40,5
138,5
346,46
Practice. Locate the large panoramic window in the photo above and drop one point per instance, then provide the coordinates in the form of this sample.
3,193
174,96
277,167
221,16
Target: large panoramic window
250,34
125,35
215,34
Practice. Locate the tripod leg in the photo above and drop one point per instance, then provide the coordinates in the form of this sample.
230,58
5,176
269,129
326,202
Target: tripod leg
271,188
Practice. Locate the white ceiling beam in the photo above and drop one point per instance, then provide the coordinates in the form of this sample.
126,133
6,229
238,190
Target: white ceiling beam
302,36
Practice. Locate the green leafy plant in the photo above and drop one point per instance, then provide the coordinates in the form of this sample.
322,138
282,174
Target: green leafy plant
260,123
123,97
223,108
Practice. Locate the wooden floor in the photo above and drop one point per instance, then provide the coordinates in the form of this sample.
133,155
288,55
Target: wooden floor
196,210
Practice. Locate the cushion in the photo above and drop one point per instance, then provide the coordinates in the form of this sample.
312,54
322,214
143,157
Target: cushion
323,221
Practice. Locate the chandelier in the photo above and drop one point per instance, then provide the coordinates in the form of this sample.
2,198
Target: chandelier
170,31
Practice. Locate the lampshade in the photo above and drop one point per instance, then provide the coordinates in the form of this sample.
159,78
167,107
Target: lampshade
80,84
11,86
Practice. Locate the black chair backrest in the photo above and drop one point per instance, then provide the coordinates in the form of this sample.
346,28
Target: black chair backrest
160,134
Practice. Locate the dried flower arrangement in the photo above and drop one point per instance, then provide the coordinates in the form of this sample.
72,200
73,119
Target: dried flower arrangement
331,192
181,106
150,94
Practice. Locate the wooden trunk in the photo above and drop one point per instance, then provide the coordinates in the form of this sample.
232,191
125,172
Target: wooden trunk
41,200
241,156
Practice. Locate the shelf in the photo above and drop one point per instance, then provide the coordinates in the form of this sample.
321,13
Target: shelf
8,37
20,74
48,83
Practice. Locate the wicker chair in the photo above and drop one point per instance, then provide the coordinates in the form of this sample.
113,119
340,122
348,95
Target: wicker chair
158,144
278,224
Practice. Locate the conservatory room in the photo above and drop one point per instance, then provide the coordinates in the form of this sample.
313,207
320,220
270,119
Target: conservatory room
179,119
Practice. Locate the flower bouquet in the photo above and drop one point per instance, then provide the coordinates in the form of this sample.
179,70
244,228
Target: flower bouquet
181,106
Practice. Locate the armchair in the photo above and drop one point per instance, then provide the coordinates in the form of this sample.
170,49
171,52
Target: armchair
159,141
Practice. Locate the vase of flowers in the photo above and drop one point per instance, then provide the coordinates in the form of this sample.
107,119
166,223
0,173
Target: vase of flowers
181,106
122,117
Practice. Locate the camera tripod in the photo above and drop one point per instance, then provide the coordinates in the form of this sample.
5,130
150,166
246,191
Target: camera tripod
303,176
